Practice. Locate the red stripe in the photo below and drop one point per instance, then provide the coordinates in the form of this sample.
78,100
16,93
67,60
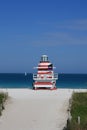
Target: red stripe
49,77
43,69
44,72
43,83
42,65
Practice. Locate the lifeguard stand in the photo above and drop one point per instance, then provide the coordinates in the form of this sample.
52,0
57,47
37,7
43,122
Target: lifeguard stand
45,77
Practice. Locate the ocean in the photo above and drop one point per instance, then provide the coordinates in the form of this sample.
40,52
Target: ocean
20,80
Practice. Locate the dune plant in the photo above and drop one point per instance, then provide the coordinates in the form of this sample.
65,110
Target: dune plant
3,97
78,112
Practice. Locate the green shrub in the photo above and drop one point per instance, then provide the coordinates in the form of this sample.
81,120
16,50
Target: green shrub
78,108
3,97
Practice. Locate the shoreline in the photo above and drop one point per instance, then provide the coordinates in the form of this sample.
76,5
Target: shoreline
29,109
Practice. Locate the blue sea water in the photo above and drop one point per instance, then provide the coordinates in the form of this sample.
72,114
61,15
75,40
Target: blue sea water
13,80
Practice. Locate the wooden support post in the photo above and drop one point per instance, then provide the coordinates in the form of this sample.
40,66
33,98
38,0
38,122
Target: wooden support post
79,120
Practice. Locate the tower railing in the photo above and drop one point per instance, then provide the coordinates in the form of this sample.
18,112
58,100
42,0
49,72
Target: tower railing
45,76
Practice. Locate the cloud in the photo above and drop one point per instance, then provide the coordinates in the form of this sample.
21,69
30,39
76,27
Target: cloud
74,24
68,38
64,32
61,38
79,25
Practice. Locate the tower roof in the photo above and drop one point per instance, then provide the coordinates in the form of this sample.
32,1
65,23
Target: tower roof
44,58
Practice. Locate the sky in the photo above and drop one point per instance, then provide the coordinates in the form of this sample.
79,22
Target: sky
31,28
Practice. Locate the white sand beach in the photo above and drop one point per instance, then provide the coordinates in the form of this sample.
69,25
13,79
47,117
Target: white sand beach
36,110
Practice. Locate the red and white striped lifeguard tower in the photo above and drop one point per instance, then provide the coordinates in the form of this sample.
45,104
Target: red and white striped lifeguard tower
45,77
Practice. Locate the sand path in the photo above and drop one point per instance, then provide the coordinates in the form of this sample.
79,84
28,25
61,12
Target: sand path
35,110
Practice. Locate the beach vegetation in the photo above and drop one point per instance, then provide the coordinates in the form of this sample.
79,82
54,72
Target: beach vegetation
3,98
78,112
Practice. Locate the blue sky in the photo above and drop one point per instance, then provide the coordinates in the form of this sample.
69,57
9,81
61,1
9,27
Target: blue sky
31,28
